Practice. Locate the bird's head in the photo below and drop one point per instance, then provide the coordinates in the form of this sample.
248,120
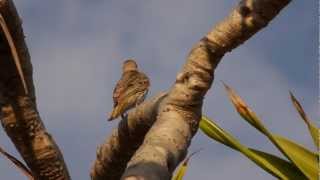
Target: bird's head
129,65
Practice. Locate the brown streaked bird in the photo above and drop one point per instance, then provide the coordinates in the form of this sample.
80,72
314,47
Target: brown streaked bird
130,90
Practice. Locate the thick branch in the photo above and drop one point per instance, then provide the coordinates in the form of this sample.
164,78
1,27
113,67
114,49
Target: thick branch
18,112
114,154
166,143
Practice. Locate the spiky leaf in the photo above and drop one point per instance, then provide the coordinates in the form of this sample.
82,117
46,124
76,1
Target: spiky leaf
314,131
274,165
293,151
183,167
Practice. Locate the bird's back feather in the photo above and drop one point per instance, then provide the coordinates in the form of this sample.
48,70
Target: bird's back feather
129,91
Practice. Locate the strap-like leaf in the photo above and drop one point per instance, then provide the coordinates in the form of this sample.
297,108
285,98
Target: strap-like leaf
314,131
183,167
293,151
14,53
18,164
276,166
244,110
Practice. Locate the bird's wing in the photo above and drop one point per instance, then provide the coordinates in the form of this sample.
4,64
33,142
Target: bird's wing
129,91
136,82
122,85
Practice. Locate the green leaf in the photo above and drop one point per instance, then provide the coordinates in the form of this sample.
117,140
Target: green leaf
314,131
304,159
274,165
181,171
281,165
183,167
244,111
291,150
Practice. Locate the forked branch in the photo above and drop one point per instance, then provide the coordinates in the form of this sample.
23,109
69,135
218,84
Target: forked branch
166,143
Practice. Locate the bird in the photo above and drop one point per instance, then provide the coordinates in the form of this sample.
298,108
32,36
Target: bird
130,90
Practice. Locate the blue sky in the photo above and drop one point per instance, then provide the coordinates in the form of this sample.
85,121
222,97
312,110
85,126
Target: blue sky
77,48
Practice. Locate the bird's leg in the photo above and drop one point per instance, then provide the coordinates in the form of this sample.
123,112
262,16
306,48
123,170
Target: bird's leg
124,116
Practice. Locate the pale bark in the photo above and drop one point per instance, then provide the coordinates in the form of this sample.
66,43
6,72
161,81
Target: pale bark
151,142
166,143
18,112
114,154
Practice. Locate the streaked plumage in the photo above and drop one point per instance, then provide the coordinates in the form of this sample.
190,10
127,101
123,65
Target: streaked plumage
130,90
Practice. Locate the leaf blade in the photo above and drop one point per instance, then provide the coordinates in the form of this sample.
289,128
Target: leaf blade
314,131
280,142
183,167
274,165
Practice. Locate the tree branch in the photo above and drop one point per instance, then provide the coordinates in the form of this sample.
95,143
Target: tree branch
177,115
18,112
114,154
166,143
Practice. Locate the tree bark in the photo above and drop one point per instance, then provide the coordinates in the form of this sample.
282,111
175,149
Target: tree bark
155,136
18,112
166,143
114,154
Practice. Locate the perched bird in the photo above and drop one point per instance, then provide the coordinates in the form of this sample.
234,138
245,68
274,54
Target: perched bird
130,90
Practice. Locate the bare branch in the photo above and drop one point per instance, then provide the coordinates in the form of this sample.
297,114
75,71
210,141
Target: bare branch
157,150
18,112
116,151
166,143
